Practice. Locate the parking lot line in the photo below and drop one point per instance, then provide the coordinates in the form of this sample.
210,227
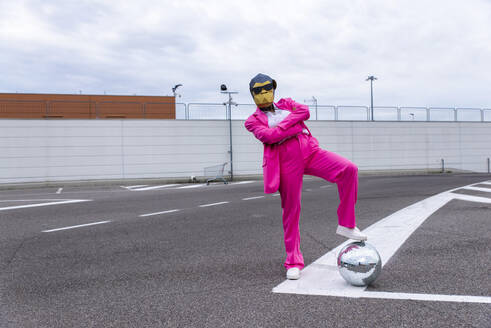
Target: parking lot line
213,204
154,187
76,226
192,186
256,197
41,204
157,213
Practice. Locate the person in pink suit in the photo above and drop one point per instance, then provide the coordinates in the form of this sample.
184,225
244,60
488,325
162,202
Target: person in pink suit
290,151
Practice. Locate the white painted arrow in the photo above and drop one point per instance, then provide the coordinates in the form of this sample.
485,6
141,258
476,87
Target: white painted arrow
387,235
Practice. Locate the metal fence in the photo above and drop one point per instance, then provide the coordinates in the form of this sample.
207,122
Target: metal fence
218,111
206,111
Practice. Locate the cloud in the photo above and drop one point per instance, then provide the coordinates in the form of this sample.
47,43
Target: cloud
424,53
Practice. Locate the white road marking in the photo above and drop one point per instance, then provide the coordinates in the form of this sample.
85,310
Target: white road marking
387,235
192,186
487,184
472,198
157,213
325,186
429,297
256,197
131,187
76,226
59,191
241,182
399,296
276,195
213,204
54,202
32,200
477,188
154,187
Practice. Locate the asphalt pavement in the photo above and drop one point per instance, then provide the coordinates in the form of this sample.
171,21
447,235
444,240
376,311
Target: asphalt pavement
209,256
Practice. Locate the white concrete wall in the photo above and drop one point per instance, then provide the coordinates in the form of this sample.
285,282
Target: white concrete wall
53,150
408,145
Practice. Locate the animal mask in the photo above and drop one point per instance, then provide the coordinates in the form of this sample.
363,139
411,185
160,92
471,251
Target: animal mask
262,89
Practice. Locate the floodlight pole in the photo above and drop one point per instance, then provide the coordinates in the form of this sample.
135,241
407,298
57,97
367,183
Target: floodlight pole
229,107
371,78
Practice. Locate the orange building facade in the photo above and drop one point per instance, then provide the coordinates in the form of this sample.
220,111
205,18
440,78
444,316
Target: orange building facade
67,106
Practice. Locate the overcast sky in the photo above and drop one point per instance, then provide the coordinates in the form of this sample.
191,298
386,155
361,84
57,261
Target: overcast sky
425,53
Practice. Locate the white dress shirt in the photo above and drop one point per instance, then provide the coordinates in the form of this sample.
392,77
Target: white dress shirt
274,118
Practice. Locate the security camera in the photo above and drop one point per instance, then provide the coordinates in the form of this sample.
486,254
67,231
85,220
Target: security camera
223,87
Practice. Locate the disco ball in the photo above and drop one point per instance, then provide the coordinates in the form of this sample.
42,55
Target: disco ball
359,263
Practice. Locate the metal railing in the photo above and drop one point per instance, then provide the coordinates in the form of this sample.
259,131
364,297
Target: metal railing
353,113
218,111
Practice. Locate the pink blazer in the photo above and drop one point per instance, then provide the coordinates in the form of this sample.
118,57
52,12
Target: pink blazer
291,126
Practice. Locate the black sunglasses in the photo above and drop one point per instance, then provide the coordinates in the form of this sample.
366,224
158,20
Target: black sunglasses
267,87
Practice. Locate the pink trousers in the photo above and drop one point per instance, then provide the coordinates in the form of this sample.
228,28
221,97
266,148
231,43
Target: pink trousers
320,163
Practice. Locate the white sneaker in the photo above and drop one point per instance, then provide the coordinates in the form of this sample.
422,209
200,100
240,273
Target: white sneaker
293,273
353,233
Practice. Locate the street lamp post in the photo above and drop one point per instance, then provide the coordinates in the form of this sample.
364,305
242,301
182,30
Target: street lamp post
186,114
230,102
371,78
175,88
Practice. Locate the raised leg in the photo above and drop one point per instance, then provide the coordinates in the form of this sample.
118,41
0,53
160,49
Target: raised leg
337,169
